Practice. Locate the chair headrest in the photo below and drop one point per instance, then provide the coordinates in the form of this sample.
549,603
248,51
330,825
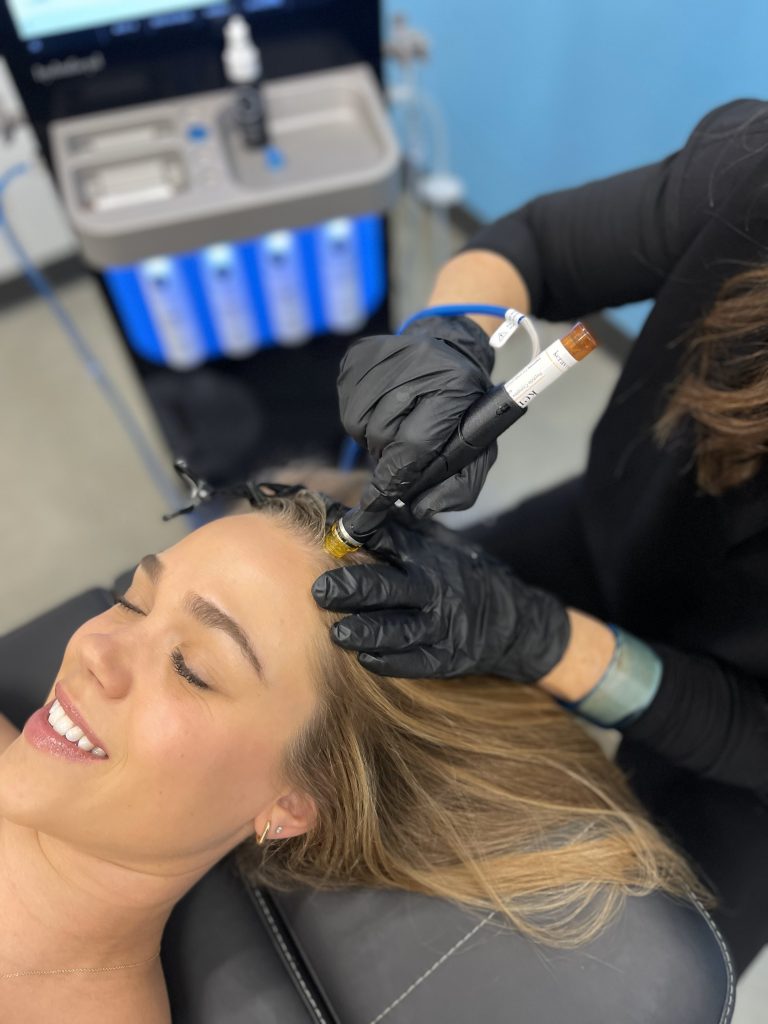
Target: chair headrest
364,957
401,957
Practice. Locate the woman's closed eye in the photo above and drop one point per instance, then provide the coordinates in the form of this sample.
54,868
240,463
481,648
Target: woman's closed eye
177,658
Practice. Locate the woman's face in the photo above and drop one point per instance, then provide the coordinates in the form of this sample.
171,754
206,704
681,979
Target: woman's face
188,770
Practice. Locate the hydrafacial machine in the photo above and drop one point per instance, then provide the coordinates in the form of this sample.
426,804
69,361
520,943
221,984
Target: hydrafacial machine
227,168
233,211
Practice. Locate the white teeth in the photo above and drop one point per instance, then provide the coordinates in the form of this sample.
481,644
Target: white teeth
61,723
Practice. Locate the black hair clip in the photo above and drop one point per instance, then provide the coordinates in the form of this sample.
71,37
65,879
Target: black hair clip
260,493
257,493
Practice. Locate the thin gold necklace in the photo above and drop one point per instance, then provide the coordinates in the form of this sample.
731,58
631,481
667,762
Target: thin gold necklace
81,970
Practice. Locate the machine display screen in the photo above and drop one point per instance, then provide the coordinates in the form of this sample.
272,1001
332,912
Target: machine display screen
40,19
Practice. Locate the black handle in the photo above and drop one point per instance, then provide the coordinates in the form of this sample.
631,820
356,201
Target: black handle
482,423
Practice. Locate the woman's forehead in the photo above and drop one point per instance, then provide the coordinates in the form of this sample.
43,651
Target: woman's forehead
259,569
254,539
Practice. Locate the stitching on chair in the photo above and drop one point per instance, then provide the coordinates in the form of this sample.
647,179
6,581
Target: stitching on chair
725,1016
434,967
295,969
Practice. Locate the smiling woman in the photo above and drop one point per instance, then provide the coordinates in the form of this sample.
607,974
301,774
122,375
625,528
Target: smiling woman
194,725
229,722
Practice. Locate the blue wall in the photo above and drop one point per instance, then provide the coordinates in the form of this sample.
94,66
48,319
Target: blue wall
553,93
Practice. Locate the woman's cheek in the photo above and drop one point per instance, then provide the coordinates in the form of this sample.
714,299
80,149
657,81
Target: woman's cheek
167,735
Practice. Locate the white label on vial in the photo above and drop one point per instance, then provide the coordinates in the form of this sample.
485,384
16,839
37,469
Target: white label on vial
172,312
285,291
226,290
338,267
547,367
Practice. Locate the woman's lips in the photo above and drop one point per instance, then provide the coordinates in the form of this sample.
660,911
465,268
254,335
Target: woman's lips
72,712
40,734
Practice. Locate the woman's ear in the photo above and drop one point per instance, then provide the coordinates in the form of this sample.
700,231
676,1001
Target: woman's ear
293,814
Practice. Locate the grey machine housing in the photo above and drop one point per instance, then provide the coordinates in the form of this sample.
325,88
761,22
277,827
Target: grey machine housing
174,175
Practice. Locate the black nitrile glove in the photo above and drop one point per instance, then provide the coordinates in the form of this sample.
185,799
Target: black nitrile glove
440,608
402,397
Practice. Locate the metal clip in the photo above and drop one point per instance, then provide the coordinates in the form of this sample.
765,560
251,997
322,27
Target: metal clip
199,490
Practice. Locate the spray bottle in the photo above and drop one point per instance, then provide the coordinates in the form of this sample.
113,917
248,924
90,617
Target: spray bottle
242,66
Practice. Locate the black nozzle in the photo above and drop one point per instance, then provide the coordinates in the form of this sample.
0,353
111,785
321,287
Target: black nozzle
250,116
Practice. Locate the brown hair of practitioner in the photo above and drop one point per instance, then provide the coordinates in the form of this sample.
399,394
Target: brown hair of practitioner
476,790
722,389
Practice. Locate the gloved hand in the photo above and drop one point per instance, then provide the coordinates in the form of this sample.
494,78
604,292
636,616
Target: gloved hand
402,397
439,608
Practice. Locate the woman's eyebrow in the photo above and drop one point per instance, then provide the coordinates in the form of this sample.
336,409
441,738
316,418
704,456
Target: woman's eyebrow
208,614
152,566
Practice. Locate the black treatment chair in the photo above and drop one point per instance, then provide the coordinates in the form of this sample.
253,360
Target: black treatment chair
235,956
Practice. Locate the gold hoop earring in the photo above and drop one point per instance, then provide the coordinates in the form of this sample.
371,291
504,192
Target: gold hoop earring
263,836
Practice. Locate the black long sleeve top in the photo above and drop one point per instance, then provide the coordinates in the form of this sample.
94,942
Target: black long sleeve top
685,571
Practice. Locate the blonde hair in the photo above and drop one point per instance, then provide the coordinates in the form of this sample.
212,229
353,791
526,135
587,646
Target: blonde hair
476,790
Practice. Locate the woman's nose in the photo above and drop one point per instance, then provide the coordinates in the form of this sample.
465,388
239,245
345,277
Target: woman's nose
111,658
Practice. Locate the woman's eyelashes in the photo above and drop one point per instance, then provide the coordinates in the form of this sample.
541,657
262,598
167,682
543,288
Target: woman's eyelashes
180,666
127,604
177,658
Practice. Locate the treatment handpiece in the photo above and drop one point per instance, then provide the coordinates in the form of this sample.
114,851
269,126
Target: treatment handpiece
482,423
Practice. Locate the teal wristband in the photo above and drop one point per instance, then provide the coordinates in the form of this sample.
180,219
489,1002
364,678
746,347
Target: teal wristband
626,688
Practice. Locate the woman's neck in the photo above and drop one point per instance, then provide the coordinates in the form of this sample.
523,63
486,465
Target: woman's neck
62,907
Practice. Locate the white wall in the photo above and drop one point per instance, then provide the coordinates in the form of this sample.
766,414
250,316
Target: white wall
30,202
